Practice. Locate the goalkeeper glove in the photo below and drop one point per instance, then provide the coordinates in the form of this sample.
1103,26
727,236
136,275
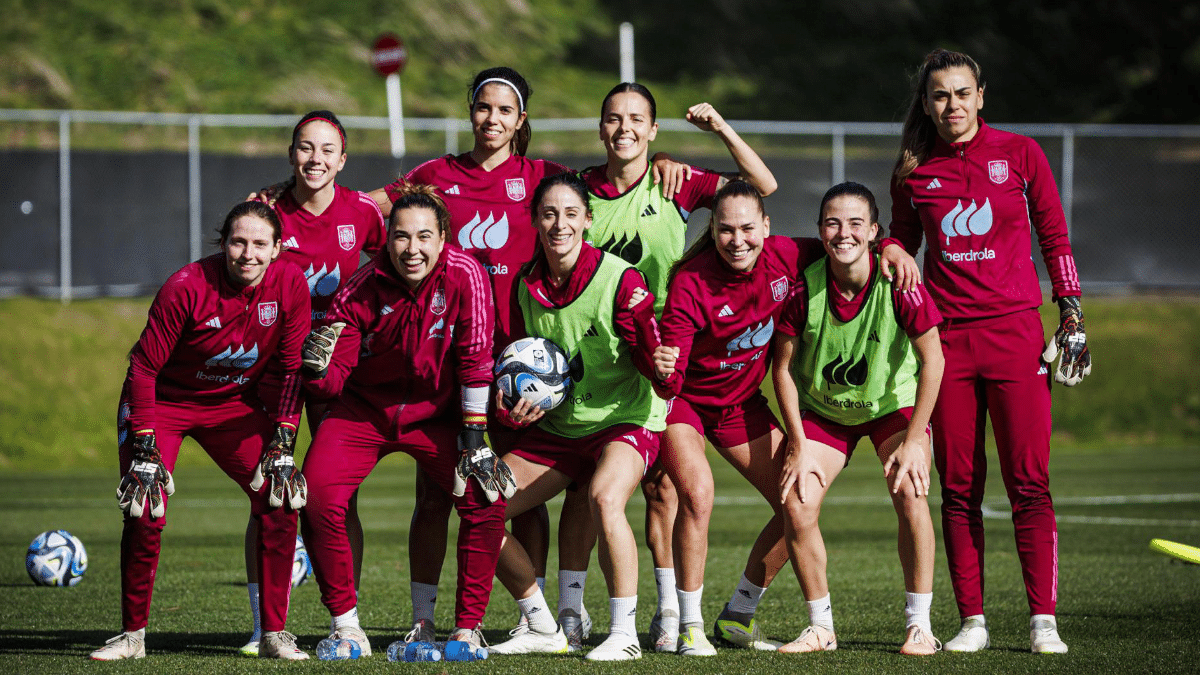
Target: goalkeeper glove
318,348
278,464
147,479
1071,342
479,462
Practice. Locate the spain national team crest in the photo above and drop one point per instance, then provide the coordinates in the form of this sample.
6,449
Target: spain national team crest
779,289
346,238
998,171
438,304
267,313
515,187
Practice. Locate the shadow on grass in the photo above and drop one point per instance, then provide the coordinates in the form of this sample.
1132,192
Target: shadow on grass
84,642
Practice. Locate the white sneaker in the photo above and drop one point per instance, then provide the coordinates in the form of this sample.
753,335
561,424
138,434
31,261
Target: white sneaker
280,645
972,637
577,628
741,630
664,631
812,639
471,636
618,647
123,646
920,642
353,633
521,628
250,648
693,641
1044,639
422,631
533,642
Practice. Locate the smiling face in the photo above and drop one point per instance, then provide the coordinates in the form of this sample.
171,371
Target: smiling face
317,155
739,228
414,243
953,100
627,127
562,219
847,230
249,247
495,117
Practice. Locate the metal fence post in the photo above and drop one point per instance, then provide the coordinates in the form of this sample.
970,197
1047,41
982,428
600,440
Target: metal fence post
839,154
64,207
1068,173
451,136
194,187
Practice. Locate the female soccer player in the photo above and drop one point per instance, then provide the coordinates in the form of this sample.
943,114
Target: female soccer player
725,297
857,356
407,350
194,372
596,307
325,227
645,226
974,193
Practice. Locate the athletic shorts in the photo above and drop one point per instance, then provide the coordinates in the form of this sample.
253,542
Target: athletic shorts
727,426
576,457
843,438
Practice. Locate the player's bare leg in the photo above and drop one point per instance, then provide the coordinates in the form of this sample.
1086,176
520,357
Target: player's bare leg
662,506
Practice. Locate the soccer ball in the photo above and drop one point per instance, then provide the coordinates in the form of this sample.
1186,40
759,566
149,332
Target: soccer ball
301,565
56,558
535,369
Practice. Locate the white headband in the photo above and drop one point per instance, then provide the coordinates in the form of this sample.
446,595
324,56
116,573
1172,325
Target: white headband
520,100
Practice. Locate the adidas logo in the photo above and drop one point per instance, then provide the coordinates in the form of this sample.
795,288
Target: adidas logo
385,311
591,331
873,337
574,584
725,311
633,651
291,243
1042,370
744,592
649,211
214,322
453,191
933,184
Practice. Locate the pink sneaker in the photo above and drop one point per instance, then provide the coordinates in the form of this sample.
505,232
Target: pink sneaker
812,639
920,643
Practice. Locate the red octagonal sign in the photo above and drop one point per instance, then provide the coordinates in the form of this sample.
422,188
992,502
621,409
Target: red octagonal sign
389,55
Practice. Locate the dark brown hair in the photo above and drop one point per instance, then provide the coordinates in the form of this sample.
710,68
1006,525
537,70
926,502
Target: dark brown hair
708,240
520,141
919,131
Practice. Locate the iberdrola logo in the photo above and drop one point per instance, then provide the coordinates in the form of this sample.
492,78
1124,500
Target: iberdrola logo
961,222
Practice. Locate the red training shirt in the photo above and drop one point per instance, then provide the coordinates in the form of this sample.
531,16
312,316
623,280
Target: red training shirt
206,340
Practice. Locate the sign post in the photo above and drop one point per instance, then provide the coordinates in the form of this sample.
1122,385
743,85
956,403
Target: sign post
388,58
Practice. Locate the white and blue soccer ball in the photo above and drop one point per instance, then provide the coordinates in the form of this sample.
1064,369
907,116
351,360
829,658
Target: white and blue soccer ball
534,369
56,558
301,564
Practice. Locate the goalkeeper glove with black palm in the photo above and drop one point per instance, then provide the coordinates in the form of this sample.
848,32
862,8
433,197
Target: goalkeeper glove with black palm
479,462
277,464
1069,342
147,479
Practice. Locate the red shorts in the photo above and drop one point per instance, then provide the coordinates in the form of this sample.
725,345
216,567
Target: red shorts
727,426
576,457
843,438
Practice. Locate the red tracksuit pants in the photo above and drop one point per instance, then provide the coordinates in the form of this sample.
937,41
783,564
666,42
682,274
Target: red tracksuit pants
351,440
233,433
994,367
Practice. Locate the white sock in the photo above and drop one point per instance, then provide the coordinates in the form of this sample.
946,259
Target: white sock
1042,617
916,610
820,613
570,590
347,620
139,633
664,578
541,582
623,615
535,609
424,599
256,616
745,597
689,606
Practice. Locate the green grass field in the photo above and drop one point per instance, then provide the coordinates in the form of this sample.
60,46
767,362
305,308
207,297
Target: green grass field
1125,469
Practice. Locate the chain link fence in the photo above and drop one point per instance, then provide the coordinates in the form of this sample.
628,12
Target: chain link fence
77,222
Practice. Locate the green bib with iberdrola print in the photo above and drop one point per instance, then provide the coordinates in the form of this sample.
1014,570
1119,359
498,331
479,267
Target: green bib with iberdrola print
856,371
642,228
608,390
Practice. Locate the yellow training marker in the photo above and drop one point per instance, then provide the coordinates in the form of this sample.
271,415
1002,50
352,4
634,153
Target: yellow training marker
1188,554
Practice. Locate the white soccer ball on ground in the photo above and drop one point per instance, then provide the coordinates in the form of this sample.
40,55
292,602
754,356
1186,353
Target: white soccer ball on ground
301,565
534,369
56,558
